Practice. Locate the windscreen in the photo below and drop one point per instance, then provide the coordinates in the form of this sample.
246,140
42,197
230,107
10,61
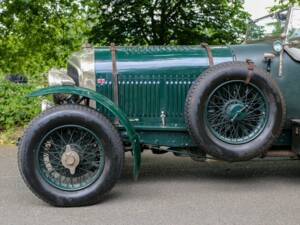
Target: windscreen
294,25
267,27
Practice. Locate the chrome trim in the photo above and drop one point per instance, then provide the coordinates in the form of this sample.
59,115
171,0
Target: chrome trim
59,77
45,105
280,69
84,62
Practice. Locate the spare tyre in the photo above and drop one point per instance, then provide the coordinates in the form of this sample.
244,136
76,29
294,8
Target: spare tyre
234,114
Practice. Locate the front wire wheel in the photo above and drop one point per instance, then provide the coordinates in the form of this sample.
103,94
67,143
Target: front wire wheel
71,155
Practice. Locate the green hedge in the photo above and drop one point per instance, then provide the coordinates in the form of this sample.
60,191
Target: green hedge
16,110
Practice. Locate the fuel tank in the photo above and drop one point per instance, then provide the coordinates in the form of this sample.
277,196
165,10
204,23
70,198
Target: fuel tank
153,81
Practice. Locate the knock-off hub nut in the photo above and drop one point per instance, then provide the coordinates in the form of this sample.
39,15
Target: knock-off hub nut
70,159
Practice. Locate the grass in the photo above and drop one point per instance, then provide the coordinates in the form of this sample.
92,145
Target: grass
11,136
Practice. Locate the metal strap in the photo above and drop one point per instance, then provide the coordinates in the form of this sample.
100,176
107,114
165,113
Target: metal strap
209,53
250,67
115,77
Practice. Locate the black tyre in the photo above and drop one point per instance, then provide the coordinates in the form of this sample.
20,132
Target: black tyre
231,119
70,155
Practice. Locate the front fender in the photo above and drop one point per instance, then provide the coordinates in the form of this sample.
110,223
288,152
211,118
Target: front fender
107,104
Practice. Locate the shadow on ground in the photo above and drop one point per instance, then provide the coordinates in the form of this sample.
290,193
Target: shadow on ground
170,167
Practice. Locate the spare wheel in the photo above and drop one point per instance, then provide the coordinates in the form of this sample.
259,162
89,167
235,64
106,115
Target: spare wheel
234,114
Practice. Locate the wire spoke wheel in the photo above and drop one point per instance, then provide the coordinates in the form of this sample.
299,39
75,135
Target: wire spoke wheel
230,119
70,157
236,112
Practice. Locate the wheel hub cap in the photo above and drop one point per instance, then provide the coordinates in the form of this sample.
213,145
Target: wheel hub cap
236,111
70,159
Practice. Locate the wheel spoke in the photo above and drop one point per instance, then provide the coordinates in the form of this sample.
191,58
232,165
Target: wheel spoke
71,136
89,150
236,112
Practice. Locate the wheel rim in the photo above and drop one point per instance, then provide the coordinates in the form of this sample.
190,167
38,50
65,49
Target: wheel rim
236,112
70,157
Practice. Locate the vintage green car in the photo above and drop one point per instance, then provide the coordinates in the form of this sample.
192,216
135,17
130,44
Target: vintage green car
230,103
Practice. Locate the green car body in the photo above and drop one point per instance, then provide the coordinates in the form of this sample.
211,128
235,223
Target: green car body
143,90
153,83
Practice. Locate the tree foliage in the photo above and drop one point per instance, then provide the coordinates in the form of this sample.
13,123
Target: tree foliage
38,34
35,35
159,22
283,4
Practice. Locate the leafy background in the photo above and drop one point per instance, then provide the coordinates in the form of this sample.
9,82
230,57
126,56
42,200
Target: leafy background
36,35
